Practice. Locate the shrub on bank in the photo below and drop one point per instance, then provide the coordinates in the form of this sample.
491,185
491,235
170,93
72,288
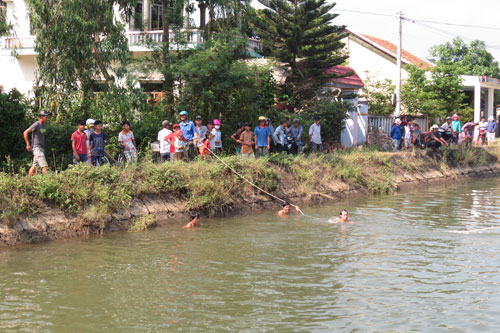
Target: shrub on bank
93,193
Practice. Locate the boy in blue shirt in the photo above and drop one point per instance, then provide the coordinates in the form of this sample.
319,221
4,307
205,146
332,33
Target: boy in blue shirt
262,138
492,130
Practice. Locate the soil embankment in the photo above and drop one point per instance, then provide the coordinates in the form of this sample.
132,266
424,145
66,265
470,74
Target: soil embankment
84,201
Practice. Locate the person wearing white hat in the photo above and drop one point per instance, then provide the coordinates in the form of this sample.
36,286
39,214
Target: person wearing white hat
434,141
396,134
492,130
89,128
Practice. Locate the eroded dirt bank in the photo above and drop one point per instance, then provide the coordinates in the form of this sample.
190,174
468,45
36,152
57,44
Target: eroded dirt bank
303,180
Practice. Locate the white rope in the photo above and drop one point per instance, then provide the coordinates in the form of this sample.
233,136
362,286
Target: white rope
249,182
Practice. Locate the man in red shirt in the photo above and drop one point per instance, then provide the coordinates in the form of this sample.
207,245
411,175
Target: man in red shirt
79,144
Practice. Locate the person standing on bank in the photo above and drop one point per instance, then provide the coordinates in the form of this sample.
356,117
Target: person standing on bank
262,138
79,144
280,136
200,134
188,130
315,136
296,129
396,135
164,142
37,130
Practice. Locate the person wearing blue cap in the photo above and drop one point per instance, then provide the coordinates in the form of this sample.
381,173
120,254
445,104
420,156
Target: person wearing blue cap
188,129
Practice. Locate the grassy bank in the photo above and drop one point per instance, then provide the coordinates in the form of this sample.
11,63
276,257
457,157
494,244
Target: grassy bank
93,193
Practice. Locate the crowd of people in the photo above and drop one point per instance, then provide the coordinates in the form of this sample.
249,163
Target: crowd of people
185,140
406,134
181,141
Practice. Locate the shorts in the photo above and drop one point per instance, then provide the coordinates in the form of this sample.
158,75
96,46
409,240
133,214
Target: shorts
96,160
317,147
165,157
249,155
407,143
491,137
178,156
130,155
238,150
39,160
262,151
83,159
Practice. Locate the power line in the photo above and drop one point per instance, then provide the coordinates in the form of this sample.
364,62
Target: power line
422,21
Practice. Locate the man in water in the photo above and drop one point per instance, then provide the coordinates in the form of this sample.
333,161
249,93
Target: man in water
194,221
343,217
286,210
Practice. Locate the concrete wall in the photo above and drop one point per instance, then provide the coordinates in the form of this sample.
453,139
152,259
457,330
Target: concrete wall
18,73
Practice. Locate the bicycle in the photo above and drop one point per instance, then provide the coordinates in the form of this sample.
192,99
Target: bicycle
118,160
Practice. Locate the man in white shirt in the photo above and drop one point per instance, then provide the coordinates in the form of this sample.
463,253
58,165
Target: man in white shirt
315,136
164,144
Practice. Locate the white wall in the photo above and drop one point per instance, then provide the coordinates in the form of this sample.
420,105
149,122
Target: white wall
17,15
18,73
363,59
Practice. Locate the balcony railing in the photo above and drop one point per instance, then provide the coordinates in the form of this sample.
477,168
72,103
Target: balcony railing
137,38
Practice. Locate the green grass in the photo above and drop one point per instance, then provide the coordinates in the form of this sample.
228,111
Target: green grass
93,193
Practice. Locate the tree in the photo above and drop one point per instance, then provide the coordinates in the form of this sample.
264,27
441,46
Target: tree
435,94
379,95
473,58
5,26
78,42
301,34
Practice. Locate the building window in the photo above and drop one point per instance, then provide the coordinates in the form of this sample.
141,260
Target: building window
157,15
137,21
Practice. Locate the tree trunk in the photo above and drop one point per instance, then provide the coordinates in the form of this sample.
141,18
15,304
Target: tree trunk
203,13
168,83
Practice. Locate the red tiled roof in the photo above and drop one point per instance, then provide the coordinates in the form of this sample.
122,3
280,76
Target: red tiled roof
391,49
352,80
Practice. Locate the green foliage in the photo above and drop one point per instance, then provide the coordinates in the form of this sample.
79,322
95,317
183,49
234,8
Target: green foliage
436,95
143,223
472,58
77,41
13,122
379,95
332,115
5,26
302,30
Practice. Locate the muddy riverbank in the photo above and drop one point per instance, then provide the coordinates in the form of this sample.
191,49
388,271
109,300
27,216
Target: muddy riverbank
85,201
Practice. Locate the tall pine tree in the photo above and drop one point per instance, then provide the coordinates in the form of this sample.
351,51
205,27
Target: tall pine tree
300,33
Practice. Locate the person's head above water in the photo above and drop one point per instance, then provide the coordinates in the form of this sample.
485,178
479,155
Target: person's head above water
286,207
194,217
344,215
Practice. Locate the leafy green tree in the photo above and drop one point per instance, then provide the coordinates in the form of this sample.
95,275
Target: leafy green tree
379,94
78,42
472,58
5,26
300,33
436,94
13,120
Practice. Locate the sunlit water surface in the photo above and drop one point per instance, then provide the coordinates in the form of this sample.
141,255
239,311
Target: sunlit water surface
425,260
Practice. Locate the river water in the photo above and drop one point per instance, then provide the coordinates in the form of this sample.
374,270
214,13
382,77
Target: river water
424,260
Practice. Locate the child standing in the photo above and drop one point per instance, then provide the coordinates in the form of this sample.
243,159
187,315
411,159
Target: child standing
97,141
127,140
179,146
217,138
205,152
247,142
408,135
79,144
492,130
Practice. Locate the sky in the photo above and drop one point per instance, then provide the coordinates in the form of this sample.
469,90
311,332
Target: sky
418,38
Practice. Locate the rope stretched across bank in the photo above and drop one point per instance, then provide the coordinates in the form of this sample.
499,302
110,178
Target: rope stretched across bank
249,182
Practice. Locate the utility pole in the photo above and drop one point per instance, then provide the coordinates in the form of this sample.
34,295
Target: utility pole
398,80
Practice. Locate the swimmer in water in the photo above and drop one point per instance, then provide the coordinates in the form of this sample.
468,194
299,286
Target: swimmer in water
343,217
194,221
286,210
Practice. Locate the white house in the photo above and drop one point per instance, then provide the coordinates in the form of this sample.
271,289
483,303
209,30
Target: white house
378,57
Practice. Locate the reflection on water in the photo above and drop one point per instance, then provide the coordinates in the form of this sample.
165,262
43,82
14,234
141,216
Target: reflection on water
411,261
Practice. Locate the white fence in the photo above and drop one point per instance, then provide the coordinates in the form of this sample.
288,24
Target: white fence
384,122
